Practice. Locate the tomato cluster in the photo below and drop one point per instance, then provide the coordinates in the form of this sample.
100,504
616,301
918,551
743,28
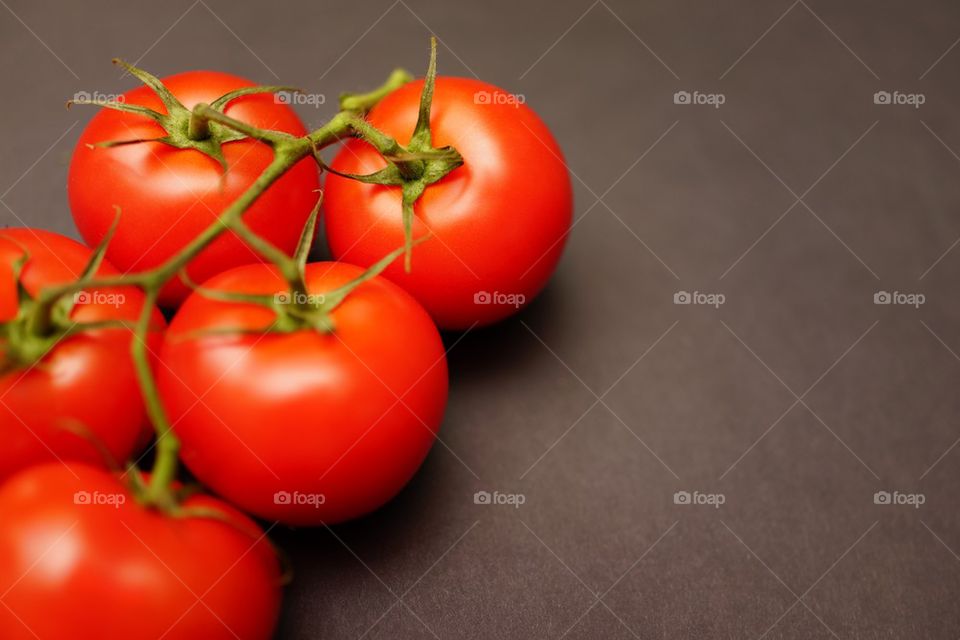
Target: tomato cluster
299,393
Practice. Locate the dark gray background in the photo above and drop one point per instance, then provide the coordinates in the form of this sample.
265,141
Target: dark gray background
797,400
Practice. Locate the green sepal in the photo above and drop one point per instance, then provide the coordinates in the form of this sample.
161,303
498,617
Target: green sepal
23,296
411,193
305,243
64,306
120,106
226,296
166,97
332,299
413,167
226,331
421,138
220,103
184,128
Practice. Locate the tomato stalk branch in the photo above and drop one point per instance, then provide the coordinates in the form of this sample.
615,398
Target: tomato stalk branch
288,151
198,132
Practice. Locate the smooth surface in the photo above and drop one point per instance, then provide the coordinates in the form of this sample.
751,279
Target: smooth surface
797,399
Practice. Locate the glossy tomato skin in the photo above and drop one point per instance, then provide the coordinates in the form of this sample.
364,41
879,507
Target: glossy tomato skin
86,380
81,559
168,196
305,428
500,221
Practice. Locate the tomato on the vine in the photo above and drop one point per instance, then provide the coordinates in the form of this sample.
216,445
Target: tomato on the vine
498,223
80,558
304,427
79,393
169,195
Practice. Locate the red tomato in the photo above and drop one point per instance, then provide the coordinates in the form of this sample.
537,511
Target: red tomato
80,558
305,428
168,196
85,380
499,222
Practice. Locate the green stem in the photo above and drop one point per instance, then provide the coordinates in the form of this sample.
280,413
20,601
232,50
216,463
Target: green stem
289,267
168,446
40,319
288,151
365,101
285,158
198,127
388,147
208,114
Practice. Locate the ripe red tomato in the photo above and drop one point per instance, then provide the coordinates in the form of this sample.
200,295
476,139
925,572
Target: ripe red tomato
80,558
499,222
85,380
304,427
168,196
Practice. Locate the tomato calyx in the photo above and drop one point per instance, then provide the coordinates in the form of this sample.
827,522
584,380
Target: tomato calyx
185,128
169,501
22,347
296,308
412,167
43,321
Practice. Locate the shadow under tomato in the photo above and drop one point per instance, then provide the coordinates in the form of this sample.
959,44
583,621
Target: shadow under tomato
350,560
484,352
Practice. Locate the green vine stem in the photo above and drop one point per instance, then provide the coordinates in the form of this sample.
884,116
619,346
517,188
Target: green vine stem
206,128
365,101
287,152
